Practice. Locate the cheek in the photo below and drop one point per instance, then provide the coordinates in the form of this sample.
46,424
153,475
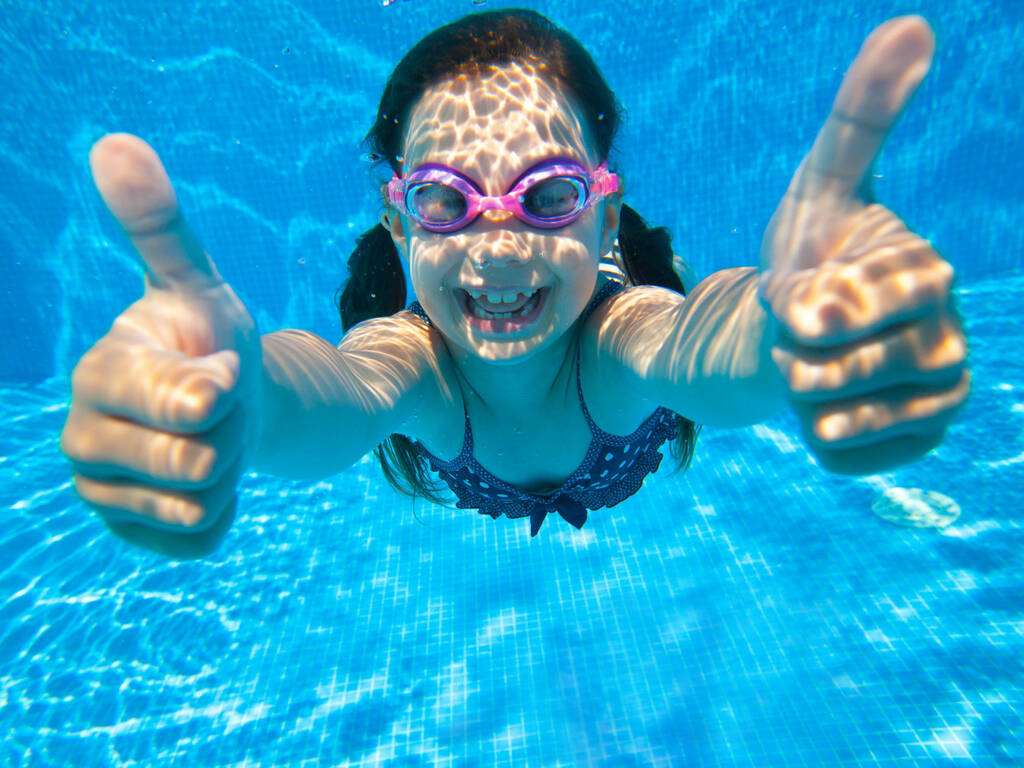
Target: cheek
427,263
577,248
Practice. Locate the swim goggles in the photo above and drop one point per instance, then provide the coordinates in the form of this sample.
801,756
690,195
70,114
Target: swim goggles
549,195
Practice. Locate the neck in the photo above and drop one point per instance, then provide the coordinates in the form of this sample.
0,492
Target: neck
519,388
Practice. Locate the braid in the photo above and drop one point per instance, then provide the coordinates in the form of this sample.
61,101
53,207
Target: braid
646,252
376,288
376,285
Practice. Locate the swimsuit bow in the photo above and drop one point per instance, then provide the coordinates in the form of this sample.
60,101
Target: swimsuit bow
571,510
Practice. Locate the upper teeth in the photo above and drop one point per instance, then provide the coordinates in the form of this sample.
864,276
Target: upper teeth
498,298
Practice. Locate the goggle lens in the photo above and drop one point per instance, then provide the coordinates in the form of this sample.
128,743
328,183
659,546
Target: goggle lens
436,203
554,198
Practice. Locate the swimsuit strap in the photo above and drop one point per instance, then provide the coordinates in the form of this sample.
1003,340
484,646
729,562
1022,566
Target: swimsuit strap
609,289
417,309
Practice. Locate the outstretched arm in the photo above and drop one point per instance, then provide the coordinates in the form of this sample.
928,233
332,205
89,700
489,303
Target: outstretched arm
324,407
707,355
171,406
851,319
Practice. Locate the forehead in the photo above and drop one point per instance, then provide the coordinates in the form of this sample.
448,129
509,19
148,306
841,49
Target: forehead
494,124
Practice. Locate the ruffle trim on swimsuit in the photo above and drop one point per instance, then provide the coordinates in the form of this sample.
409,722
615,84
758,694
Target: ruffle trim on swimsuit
613,469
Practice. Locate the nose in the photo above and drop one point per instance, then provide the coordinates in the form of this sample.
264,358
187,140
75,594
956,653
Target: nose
496,258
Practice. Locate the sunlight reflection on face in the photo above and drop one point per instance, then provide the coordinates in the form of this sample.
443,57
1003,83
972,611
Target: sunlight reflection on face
492,127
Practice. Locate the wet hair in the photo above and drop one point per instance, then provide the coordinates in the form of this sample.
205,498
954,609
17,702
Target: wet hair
376,284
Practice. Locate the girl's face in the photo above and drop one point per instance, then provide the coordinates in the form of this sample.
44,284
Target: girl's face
491,128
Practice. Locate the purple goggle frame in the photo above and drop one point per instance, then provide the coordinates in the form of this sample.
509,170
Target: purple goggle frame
591,186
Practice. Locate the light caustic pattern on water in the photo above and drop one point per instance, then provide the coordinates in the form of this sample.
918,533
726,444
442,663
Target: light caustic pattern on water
916,508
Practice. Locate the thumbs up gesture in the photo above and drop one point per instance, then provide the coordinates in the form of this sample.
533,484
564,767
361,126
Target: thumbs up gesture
868,340
164,406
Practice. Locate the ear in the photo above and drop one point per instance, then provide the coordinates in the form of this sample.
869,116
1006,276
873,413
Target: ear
391,220
610,228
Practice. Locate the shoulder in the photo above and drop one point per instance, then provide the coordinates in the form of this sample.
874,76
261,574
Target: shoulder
623,323
408,358
633,299
620,344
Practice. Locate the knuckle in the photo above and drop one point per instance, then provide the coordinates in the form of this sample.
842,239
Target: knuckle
197,510
963,388
180,509
202,465
801,320
76,443
933,345
82,375
832,428
196,402
943,273
805,377
94,361
210,459
81,486
68,443
954,351
188,513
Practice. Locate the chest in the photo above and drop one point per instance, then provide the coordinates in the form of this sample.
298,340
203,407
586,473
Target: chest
537,450
536,453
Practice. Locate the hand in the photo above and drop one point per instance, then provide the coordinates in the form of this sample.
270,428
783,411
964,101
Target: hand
868,342
163,406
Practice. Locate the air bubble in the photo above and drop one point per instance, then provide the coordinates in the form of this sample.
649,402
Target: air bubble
601,116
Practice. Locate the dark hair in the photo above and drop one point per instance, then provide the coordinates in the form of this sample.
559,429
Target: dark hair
376,284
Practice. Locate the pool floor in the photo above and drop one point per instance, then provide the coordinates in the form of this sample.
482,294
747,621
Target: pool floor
753,611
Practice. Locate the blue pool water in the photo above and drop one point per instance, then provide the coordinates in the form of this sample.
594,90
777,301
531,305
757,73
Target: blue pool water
754,611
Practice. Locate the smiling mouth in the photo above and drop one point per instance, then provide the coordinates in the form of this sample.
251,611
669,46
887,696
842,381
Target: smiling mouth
508,313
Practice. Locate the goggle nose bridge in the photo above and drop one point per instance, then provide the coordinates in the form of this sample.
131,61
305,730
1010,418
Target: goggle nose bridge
496,203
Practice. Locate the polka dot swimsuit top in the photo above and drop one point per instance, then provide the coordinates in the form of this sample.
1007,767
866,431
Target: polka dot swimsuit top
613,469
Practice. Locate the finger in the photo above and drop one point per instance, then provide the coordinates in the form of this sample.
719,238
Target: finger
130,451
895,412
127,501
800,235
891,64
138,192
894,279
878,457
928,353
162,389
180,545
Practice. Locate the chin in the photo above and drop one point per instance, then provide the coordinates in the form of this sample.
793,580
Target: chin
506,353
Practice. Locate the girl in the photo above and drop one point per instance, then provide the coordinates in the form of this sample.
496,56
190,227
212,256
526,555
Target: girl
551,352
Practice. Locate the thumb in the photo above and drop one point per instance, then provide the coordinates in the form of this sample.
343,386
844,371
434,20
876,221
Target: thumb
135,187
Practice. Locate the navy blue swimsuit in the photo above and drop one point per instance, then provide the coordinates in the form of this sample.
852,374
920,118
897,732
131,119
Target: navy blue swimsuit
613,469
